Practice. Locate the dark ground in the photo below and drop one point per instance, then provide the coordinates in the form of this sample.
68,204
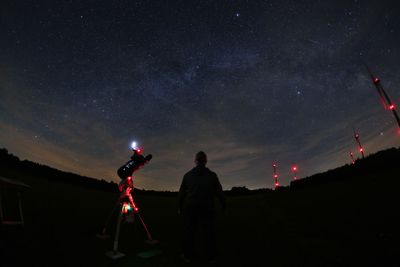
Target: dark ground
351,222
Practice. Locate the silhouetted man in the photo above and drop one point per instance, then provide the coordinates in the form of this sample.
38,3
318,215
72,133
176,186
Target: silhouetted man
197,194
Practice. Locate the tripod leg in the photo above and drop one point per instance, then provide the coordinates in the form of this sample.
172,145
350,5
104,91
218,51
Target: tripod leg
103,232
149,240
136,210
145,228
115,254
116,239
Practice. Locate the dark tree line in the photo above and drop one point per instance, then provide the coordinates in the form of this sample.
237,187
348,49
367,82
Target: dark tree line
9,162
385,160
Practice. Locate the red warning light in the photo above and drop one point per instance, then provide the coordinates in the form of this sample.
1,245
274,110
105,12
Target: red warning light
376,80
352,158
275,175
130,178
276,184
294,170
361,149
392,107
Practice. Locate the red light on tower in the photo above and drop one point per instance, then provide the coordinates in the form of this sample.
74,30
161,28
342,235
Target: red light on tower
352,158
275,175
294,170
357,138
384,96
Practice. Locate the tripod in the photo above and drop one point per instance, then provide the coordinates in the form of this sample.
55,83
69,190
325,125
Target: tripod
126,209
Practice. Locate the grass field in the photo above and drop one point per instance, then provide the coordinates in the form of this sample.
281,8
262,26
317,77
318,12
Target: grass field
352,222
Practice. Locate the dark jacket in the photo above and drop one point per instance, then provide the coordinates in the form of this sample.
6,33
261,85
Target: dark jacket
199,188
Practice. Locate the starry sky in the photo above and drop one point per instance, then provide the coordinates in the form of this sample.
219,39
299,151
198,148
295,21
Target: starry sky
248,82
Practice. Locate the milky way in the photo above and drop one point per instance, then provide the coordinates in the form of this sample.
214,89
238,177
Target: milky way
248,82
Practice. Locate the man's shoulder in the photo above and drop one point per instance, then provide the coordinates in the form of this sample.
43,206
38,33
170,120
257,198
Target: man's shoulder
211,172
196,171
190,172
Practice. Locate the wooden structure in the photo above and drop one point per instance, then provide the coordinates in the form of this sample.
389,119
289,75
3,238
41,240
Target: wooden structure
12,189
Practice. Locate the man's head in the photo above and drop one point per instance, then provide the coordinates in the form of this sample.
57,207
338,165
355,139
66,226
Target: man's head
201,158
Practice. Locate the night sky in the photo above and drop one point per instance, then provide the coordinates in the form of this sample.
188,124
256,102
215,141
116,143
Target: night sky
248,82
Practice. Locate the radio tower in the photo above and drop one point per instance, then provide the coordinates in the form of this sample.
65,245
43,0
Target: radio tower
384,97
275,176
352,158
357,137
294,170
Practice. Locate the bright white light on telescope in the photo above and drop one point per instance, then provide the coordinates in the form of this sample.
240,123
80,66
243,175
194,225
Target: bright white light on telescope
134,145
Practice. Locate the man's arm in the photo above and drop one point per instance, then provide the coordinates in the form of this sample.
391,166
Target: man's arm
220,193
181,195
